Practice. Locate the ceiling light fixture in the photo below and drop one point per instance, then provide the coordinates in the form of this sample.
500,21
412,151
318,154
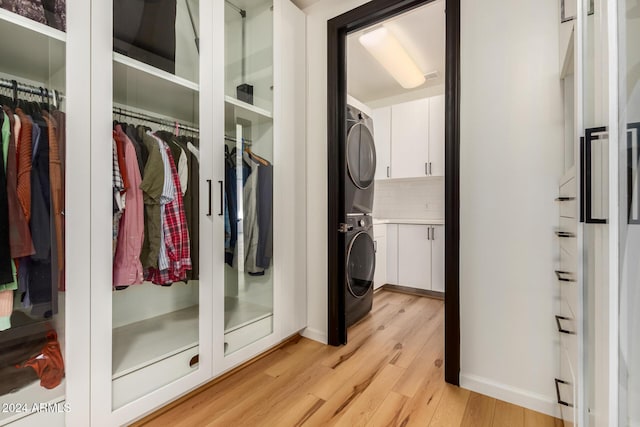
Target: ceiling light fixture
388,51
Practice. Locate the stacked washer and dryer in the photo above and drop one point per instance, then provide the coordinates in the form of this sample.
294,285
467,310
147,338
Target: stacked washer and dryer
360,248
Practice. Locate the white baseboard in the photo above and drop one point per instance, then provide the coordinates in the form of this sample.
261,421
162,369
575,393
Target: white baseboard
534,401
316,335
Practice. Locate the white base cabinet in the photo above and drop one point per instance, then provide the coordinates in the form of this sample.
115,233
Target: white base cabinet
380,244
415,256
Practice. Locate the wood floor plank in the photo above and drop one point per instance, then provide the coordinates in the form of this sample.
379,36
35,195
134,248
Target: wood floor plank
536,419
367,403
479,411
451,407
391,373
508,415
388,413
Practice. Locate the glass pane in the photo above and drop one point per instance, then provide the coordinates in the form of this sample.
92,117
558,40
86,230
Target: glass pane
155,195
248,145
629,149
32,228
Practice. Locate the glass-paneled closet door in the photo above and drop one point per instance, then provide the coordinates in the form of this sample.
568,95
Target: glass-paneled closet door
248,173
154,166
32,204
629,219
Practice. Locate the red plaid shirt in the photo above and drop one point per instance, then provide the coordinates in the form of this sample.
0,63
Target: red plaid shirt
176,236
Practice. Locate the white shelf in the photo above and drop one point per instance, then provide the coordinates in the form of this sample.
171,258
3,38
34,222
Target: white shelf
239,313
33,393
140,344
31,50
235,109
142,86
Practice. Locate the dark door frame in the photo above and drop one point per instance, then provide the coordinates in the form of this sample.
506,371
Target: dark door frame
369,14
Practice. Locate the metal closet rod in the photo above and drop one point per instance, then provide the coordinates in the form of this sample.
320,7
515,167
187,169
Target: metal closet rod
147,118
234,139
30,89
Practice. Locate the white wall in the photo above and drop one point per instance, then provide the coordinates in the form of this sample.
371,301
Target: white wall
511,161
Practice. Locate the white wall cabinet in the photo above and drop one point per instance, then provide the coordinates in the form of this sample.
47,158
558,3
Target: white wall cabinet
437,258
380,244
410,139
382,137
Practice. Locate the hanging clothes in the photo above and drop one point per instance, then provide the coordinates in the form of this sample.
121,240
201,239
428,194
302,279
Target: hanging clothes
24,163
6,264
264,252
127,267
19,233
152,187
250,219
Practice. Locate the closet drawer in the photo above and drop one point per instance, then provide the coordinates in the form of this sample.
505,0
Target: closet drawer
565,309
566,389
136,384
240,337
569,343
569,294
568,225
568,208
568,255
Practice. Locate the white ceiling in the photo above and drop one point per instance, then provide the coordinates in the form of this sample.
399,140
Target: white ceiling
421,32
304,3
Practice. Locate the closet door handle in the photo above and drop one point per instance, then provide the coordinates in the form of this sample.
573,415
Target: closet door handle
592,135
564,276
221,198
210,194
388,172
560,401
560,328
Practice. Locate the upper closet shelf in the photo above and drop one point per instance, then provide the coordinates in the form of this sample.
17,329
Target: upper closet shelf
142,86
235,109
31,50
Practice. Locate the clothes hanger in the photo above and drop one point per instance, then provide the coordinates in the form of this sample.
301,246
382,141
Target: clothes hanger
255,157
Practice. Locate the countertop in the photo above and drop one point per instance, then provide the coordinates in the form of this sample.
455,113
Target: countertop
377,221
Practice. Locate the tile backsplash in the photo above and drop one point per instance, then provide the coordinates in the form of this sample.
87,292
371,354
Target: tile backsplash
409,198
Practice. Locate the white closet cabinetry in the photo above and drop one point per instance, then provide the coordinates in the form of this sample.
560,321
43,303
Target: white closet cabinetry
436,135
382,137
149,343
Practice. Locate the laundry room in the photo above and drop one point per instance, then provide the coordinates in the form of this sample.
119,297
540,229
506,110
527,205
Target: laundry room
396,143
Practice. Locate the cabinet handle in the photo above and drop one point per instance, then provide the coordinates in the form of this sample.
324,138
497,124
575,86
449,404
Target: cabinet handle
210,196
194,360
428,233
564,199
560,401
221,198
562,276
430,172
564,234
560,328
375,246
426,168
592,135
388,172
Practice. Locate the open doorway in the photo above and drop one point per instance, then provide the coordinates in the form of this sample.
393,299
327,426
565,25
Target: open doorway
357,163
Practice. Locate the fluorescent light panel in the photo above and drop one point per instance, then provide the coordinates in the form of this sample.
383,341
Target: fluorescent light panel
388,51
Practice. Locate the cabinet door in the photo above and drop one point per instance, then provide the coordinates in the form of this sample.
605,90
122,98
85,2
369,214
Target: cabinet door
151,256
410,139
380,244
437,258
382,137
436,135
414,256
392,254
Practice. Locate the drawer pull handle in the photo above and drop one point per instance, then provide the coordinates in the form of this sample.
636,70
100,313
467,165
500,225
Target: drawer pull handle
564,276
560,328
194,360
565,234
565,199
560,401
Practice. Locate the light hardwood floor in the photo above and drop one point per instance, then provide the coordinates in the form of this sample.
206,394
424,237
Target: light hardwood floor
389,374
